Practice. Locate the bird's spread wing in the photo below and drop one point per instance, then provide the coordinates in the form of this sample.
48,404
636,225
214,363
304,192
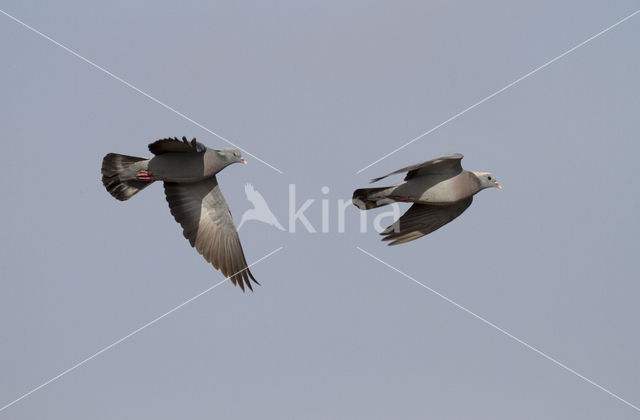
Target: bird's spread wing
203,213
447,164
422,219
174,145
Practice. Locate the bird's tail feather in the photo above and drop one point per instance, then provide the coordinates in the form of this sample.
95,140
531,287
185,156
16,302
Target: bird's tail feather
113,165
364,198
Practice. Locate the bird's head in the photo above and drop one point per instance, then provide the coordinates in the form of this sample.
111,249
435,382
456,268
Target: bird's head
487,180
231,155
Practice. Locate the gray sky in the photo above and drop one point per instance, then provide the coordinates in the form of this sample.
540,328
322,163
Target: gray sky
320,90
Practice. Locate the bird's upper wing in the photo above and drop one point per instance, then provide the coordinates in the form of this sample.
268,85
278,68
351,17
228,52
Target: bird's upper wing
203,213
447,164
422,219
174,145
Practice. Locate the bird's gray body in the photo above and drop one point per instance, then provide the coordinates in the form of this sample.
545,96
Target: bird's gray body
186,167
440,190
435,189
178,167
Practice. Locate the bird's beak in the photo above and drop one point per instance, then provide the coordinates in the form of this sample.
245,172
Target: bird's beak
244,162
499,186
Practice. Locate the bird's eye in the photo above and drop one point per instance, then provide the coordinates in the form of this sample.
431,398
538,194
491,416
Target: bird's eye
489,178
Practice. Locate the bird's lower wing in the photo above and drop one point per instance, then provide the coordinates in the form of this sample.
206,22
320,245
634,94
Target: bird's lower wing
422,219
206,221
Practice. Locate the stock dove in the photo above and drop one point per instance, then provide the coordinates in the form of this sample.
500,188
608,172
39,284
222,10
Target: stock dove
188,170
439,189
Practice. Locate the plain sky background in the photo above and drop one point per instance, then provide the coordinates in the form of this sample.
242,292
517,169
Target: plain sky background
321,89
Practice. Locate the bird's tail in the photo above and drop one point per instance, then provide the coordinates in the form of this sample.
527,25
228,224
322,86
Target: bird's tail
369,198
113,166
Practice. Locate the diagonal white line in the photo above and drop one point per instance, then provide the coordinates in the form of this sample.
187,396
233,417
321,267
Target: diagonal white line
494,326
132,333
445,122
140,91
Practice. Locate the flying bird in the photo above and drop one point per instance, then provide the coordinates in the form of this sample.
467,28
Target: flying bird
188,170
260,211
439,189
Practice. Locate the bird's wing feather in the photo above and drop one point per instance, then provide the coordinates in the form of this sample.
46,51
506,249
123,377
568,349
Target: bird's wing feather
203,213
447,164
174,145
422,219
